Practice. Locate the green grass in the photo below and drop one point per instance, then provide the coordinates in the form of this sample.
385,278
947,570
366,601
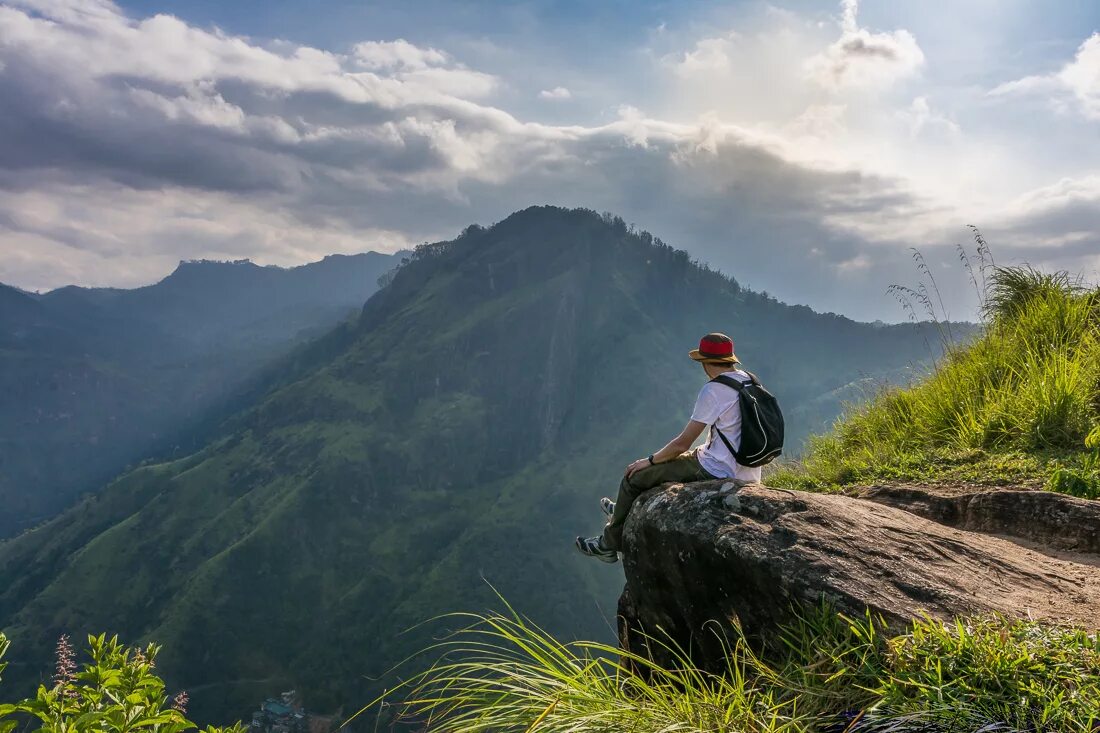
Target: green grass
502,673
1015,406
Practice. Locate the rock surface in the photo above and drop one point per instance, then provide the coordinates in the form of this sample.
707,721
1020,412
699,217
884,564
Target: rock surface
1055,521
696,554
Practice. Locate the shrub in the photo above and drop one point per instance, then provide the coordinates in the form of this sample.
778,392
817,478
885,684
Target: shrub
1084,481
115,691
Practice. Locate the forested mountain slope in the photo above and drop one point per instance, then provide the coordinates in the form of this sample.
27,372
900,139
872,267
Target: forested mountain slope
93,379
460,432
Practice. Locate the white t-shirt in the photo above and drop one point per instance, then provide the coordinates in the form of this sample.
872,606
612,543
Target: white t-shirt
719,404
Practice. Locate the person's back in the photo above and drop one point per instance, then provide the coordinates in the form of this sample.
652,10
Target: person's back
717,407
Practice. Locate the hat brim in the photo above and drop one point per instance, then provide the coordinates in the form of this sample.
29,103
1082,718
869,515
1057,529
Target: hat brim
699,356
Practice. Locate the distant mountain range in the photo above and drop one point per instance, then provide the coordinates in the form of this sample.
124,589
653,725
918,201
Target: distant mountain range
94,379
458,433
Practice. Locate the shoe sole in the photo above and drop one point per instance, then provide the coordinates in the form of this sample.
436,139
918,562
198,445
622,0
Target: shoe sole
609,559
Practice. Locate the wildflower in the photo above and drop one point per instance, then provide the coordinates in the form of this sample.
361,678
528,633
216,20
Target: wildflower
179,702
144,657
66,662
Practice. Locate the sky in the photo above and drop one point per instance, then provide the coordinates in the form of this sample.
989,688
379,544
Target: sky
804,148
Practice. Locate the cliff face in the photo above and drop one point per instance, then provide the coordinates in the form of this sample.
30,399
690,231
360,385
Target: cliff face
698,556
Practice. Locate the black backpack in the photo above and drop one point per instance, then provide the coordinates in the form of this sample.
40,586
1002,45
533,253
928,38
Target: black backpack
761,423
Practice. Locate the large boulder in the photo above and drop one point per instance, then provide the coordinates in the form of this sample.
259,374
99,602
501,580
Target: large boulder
700,556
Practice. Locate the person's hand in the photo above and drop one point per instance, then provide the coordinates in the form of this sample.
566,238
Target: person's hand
637,465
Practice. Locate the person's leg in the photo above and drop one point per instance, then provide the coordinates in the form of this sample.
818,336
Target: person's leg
681,469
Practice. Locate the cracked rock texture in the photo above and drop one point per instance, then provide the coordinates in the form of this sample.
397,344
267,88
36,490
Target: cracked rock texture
698,556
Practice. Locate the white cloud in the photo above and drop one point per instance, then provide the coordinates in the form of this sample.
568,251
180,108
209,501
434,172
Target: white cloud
817,126
555,93
127,144
860,58
857,264
457,82
922,119
1082,76
85,47
1079,81
1064,212
709,55
198,104
107,234
396,54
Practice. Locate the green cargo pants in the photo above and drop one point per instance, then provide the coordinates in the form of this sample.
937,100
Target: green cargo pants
681,469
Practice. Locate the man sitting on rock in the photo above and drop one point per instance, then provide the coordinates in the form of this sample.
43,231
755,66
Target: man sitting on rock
717,405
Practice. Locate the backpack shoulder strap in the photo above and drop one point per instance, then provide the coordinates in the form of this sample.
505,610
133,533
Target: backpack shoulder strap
730,381
738,385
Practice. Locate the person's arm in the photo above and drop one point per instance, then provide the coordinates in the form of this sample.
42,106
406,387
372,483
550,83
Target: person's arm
675,447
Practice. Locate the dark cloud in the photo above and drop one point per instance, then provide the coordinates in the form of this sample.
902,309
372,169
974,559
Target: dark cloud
126,143
870,47
102,132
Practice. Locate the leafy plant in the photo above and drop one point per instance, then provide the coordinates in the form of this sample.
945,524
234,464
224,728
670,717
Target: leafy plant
3,650
116,691
1084,481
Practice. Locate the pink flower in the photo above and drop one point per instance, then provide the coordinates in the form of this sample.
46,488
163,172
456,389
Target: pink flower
66,662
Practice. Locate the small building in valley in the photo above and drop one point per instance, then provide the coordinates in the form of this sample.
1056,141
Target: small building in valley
283,714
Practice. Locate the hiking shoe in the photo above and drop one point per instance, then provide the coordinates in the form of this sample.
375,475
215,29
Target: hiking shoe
608,506
593,547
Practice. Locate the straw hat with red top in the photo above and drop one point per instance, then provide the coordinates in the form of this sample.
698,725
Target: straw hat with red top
716,347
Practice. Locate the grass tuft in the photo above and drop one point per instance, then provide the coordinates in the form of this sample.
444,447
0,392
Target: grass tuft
831,673
1022,398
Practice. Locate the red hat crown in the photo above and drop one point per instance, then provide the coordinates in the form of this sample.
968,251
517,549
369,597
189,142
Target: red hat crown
716,345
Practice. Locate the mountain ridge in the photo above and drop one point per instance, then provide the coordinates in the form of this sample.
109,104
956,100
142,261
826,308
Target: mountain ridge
93,380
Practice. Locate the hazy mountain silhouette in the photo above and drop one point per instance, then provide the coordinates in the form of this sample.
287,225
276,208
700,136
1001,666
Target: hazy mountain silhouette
93,379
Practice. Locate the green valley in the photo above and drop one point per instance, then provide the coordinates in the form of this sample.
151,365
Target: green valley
448,442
